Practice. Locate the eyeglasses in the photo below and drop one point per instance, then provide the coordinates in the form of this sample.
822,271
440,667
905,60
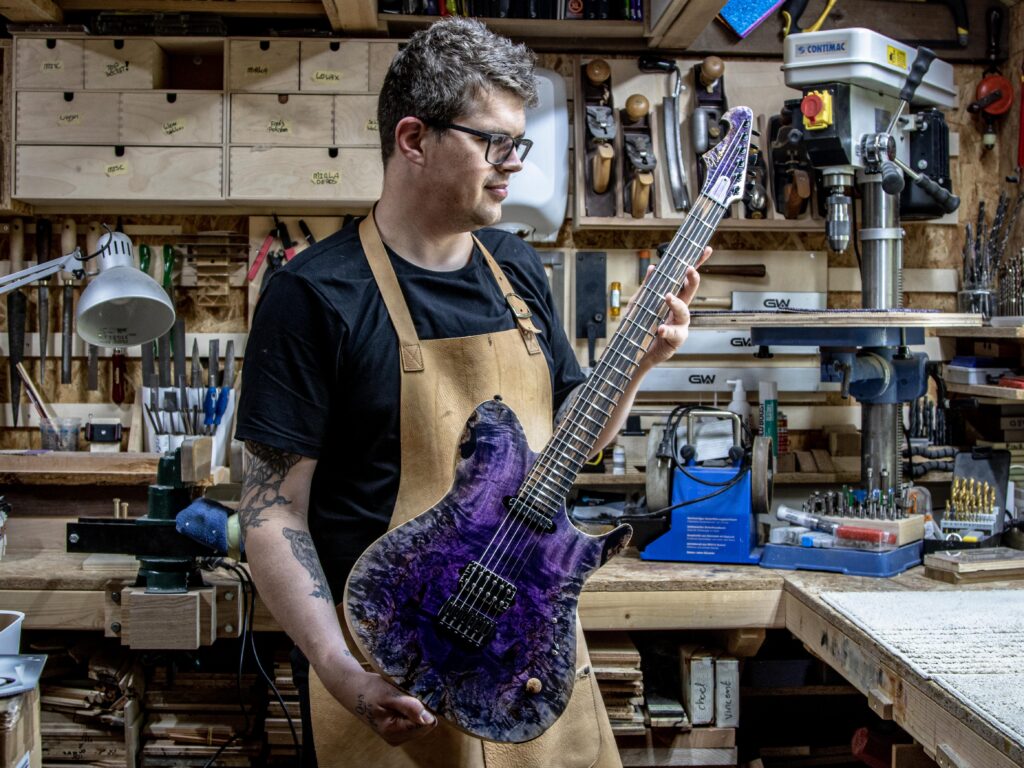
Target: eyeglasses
499,145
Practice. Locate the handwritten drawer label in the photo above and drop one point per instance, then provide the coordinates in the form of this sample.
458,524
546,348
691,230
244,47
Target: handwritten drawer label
279,126
172,127
52,66
372,125
325,178
326,76
257,70
120,168
69,118
116,68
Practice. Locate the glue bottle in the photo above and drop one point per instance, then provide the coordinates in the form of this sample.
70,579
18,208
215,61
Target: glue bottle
739,404
769,396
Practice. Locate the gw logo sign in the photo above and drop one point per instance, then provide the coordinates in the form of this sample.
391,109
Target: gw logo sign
777,303
740,341
702,378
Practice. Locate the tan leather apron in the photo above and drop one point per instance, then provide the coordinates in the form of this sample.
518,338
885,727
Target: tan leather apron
443,380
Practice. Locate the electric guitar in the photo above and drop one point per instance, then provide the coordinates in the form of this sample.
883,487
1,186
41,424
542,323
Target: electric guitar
471,606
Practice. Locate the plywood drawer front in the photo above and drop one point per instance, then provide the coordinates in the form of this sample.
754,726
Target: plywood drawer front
264,65
381,55
292,173
334,66
355,121
50,63
97,173
172,118
57,117
288,119
123,64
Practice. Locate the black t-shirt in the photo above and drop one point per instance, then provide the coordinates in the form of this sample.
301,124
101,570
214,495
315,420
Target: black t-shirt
321,375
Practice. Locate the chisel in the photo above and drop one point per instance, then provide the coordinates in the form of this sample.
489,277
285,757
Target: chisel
16,307
228,379
44,237
180,355
92,240
68,241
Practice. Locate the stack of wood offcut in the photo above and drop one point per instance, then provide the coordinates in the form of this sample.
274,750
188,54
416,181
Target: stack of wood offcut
281,749
90,701
616,663
190,715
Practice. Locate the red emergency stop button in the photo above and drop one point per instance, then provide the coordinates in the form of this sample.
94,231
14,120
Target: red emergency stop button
816,107
811,106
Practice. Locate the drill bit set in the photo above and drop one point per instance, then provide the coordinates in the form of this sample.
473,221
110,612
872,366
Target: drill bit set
971,511
985,262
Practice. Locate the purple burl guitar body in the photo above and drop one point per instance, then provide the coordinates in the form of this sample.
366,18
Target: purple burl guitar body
515,682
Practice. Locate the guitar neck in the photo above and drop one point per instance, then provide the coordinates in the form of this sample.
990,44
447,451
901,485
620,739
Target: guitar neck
555,471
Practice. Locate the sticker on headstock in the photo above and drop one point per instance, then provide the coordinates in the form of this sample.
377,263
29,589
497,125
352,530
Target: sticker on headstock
720,191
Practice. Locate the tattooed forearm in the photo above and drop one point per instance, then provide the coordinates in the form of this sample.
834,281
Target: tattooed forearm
305,553
261,489
363,710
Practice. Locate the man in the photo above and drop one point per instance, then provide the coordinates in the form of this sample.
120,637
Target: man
367,354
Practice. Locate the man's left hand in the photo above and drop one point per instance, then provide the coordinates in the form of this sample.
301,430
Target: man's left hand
673,332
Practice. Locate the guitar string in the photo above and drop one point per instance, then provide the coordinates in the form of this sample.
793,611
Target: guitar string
491,560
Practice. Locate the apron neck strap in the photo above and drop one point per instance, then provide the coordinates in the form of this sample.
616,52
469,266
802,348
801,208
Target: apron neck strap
387,282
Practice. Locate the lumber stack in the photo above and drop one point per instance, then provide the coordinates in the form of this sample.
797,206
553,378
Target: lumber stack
616,664
191,715
281,749
89,697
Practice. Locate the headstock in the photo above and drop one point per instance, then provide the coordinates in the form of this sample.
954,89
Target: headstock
726,162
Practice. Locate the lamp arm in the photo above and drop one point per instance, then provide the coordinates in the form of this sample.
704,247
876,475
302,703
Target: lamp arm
39,271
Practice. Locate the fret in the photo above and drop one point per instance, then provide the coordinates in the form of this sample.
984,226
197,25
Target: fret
613,349
556,501
639,347
597,375
644,331
556,470
652,313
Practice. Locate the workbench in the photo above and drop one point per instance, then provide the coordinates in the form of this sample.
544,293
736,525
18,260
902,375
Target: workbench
55,592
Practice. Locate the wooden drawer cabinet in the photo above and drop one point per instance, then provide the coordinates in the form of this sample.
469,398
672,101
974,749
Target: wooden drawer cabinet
264,65
178,118
288,119
351,175
137,173
355,121
50,63
334,66
381,55
118,64
66,117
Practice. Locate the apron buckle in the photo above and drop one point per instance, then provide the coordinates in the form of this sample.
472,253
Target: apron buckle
518,306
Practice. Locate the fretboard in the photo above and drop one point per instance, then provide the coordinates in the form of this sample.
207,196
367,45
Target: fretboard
558,465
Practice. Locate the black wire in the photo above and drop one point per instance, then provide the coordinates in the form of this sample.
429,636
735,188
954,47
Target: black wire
259,664
246,622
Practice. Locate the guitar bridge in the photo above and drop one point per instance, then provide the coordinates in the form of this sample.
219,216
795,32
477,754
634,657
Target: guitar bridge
483,596
465,622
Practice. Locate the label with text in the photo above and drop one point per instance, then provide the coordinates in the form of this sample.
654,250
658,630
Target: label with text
120,168
172,127
115,68
325,178
69,118
52,66
326,76
278,126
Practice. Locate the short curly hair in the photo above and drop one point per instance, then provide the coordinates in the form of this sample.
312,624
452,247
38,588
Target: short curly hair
444,69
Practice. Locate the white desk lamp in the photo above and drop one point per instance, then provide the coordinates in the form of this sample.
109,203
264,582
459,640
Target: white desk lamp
122,306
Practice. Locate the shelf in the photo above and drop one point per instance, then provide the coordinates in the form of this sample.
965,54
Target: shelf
834,318
639,479
987,390
78,468
984,332
608,480
587,29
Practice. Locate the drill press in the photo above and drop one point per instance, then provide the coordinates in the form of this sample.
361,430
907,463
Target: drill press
854,129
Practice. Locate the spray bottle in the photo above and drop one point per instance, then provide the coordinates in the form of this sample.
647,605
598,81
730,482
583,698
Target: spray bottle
739,404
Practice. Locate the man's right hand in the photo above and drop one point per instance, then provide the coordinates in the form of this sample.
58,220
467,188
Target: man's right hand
393,715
